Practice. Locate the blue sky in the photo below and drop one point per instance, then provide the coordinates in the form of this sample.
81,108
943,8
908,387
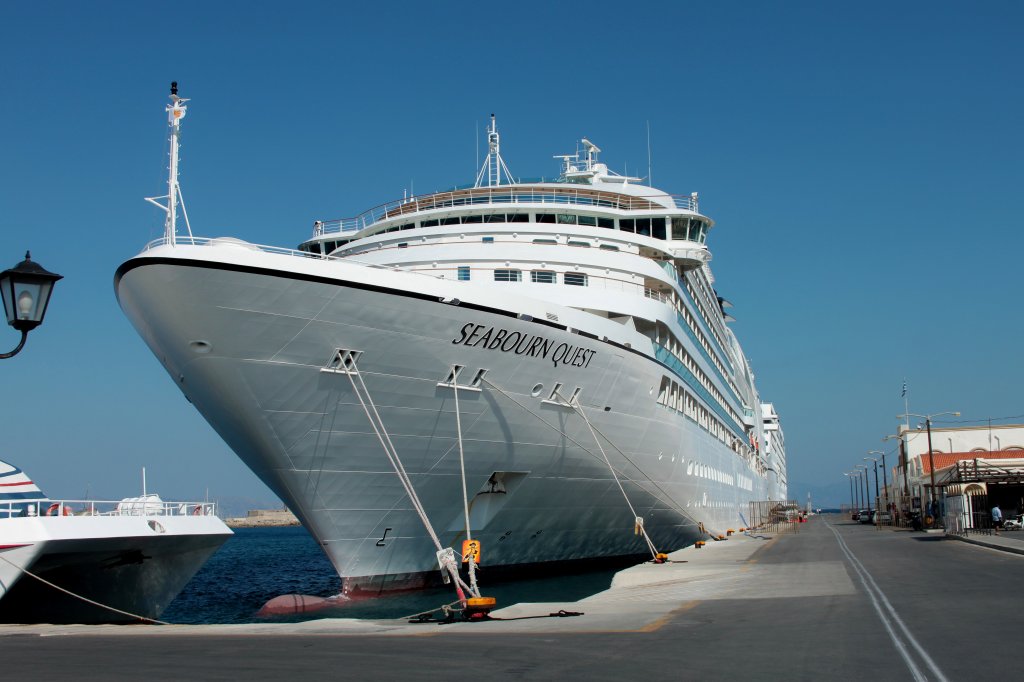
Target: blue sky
862,162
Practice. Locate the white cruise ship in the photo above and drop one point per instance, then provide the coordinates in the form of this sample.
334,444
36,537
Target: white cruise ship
603,406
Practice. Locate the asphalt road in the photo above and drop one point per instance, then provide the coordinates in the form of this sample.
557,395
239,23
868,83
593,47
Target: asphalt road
836,601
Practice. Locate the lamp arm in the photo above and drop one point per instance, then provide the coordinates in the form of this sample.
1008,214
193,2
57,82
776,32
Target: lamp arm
24,335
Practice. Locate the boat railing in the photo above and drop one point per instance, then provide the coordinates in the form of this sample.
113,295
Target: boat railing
502,195
280,250
132,506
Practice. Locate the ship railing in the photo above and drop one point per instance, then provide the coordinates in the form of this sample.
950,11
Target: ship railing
280,250
132,506
503,195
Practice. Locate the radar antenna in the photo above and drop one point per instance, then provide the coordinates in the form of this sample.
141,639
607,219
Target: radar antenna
494,166
175,112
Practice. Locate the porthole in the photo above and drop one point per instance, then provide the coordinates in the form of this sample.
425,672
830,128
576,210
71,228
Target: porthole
200,346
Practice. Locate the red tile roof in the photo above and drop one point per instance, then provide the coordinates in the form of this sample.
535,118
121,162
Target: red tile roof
945,459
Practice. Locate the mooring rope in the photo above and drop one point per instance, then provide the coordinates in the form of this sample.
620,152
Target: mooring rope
83,598
664,497
446,559
473,587
639,525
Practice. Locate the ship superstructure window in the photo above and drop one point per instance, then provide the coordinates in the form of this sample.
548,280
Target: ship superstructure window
542,277
518,217
494,218
587,220
573,242
463,273
545,241
508,276
576,279
429,223
487,240
608,223
648,227
689,229
545,218
609,247
450,221
566,219
472,219
658,228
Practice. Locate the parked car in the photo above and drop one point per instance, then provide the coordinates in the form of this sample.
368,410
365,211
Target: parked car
855,515
865,516
1014,523
882,517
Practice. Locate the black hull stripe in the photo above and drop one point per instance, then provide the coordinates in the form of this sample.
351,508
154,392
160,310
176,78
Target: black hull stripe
134,263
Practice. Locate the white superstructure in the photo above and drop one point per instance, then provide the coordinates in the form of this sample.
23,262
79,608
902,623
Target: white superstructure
576,316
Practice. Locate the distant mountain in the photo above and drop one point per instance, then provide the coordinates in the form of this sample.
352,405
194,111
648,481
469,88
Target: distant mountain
822,495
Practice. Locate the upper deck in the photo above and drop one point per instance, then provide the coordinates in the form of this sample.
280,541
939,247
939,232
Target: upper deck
503,196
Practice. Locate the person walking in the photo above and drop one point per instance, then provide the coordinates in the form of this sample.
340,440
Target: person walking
997,517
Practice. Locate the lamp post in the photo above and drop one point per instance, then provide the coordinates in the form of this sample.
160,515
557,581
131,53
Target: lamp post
878,494
867,486
931,458
849,477
885,478
26,290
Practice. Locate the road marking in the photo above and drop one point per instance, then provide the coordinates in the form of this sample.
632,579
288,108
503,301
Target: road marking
878,600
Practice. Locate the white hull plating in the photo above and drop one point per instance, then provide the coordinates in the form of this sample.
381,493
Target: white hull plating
247,336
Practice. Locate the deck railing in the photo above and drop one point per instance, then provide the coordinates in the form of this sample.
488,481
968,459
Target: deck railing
126,507
502,196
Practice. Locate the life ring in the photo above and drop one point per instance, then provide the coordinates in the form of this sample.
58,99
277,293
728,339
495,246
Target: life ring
55,509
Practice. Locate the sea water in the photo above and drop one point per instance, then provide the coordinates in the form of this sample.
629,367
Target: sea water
257,564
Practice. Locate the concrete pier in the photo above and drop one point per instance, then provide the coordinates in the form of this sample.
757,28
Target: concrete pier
837,600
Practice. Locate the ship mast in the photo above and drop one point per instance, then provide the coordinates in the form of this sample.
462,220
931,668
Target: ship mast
494,165
175,112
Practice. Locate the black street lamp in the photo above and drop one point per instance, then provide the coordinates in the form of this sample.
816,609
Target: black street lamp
26,290
885,478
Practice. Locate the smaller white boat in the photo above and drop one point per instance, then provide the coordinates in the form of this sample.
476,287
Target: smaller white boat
89,561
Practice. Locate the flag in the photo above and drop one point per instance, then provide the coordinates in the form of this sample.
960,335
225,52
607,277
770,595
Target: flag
904,393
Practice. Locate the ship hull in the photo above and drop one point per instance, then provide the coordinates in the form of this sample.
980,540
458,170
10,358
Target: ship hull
260,349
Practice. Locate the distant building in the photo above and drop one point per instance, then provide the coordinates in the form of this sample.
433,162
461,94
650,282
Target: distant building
911,474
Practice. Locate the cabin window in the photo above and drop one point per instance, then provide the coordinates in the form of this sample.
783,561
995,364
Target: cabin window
576,279
545,217
463,273
494,218
542,277
658,228
566,219
578,243
608,223
679,227
609,247
627,225
587,220
545,241
508,276
518,217
403,245
407,226
472,219
488,240
450,221
643,226
429,223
